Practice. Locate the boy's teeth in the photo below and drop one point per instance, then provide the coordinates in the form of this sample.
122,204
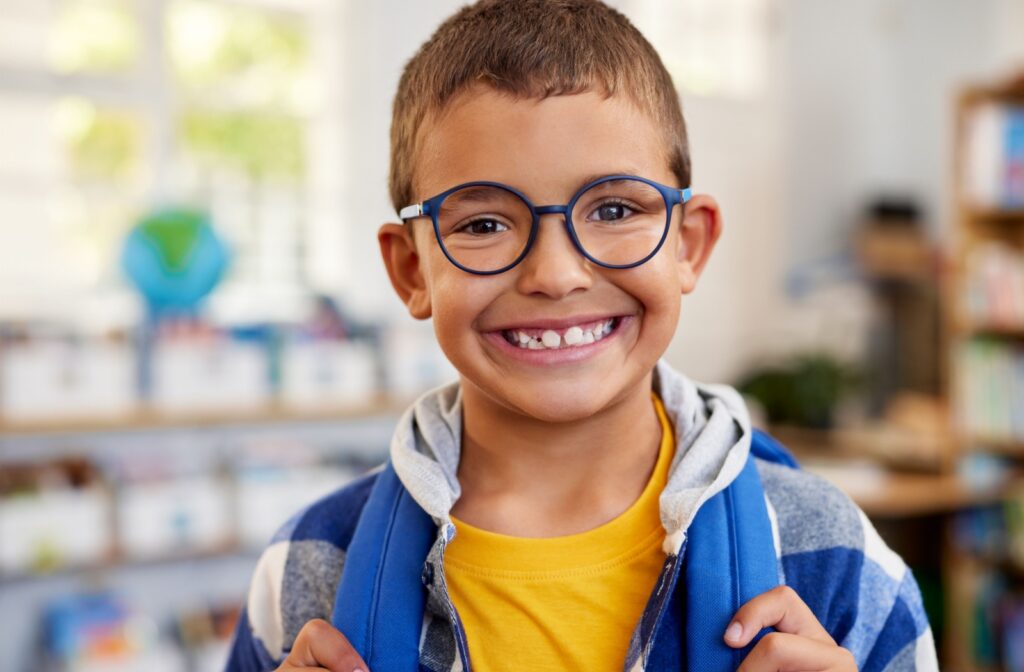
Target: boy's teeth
550,339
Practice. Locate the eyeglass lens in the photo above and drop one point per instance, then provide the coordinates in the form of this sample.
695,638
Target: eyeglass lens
617,222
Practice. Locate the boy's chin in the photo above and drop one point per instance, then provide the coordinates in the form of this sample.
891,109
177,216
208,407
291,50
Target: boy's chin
556,406
562,412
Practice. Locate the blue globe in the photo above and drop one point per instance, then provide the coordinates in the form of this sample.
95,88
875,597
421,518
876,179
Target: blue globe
175,259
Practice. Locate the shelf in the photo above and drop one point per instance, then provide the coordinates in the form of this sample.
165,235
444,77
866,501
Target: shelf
117,563
883,444
971,328
891,494
153,419
1011,91
1008,215
1000,445
861,462
904,495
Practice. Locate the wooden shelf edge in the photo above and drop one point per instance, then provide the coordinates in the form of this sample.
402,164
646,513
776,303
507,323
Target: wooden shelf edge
1000,446
906,495
153,419
995,214
968,328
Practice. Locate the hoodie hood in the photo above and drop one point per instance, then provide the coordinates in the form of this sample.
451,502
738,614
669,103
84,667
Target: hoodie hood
712,433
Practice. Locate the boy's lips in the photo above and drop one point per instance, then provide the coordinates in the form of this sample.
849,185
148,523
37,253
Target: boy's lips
554,324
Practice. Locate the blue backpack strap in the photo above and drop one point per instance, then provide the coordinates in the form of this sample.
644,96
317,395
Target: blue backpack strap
380,599
765,447
730,559
731,556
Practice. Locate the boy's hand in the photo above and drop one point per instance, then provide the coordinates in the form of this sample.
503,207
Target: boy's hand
798,643
320,646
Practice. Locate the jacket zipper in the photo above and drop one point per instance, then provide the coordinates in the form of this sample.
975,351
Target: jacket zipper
671,576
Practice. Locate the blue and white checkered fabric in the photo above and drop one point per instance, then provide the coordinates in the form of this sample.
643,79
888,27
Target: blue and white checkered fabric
828,551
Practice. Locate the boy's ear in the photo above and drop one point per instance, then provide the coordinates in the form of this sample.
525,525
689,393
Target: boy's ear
403,263
698,233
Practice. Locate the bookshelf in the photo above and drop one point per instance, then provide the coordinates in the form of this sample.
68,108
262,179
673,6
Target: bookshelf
983,565
262,465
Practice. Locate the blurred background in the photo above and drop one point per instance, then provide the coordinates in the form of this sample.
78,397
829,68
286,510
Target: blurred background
197,336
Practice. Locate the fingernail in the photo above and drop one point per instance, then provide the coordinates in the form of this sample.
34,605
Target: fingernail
359,669
734,632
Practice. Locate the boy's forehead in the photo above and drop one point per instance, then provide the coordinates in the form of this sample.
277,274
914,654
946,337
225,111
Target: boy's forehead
553,143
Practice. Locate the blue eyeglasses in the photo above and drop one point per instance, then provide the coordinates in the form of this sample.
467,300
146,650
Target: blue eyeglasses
485,228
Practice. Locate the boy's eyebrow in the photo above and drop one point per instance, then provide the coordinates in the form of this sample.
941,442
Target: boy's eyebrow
594,177
472,195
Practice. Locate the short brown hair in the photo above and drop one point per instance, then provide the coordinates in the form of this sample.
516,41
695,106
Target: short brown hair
532,49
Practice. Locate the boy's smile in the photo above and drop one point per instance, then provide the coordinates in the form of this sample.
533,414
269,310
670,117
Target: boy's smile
555,338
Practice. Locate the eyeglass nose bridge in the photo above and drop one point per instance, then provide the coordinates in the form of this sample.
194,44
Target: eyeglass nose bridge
552,210
540,210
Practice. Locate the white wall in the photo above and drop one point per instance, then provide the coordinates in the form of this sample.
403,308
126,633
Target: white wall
381,37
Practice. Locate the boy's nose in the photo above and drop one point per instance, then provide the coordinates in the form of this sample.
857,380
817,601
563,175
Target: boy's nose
553,266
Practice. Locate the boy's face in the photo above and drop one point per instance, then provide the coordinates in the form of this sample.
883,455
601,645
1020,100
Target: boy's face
548,149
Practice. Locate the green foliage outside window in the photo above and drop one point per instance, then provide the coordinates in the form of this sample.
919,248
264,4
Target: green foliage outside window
243,75
216,48
100,143
262,144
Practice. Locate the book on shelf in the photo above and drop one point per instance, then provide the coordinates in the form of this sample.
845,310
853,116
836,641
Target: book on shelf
993,287
989,394
995,533
993,167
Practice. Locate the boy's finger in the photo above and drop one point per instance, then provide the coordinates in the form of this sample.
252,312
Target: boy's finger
783,652
780,608
320,644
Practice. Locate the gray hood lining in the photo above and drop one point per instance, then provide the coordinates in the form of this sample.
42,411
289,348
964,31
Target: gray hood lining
712,429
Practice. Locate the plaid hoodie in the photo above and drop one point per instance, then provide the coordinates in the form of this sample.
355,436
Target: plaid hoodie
827,550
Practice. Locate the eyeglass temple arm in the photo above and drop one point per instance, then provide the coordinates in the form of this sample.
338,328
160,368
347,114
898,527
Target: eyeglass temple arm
685,194
410,211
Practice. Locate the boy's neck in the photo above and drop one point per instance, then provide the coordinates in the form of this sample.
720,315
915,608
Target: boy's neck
524,477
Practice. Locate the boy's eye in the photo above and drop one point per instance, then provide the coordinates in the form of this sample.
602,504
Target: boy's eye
611,212
482,227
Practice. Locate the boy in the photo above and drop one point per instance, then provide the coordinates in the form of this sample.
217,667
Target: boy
586,506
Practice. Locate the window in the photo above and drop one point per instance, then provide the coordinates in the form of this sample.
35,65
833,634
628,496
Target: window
112,108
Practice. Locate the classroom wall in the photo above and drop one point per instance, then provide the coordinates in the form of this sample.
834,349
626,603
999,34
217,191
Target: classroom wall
389,32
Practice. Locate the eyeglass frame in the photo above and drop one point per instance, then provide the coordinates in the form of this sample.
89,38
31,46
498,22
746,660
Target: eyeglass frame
672,196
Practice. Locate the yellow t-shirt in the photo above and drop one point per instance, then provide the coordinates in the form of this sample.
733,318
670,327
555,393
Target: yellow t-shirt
560,603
